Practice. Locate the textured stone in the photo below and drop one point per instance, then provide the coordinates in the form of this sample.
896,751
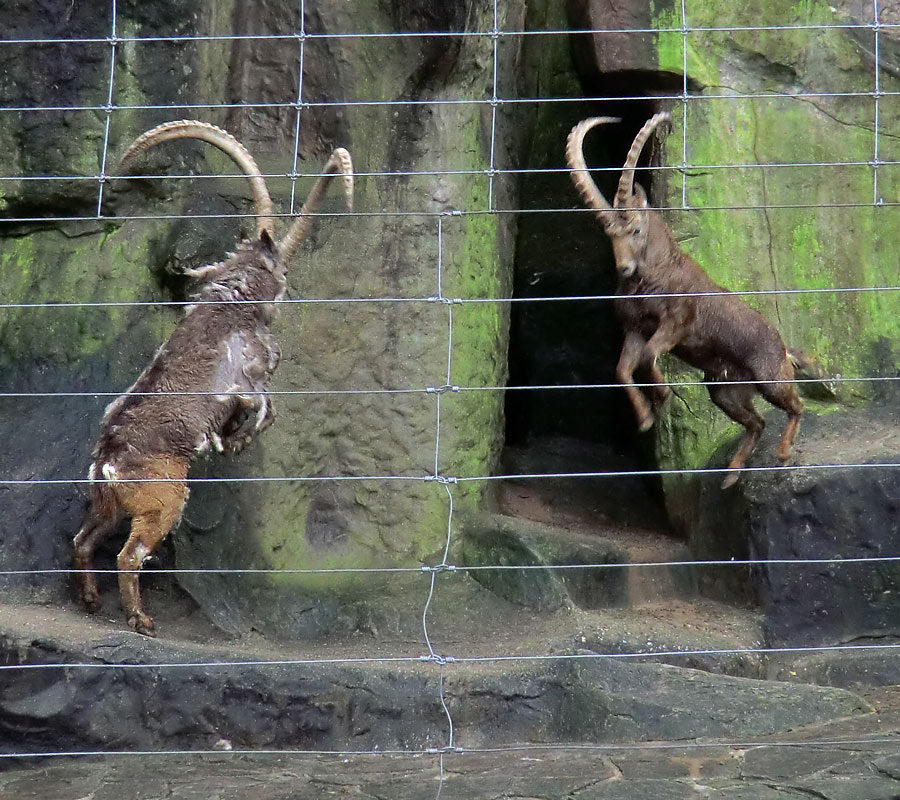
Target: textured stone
327,347
818,513
509,542
321,701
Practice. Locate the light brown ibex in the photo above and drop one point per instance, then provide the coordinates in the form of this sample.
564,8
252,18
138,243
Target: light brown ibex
708,327
205,387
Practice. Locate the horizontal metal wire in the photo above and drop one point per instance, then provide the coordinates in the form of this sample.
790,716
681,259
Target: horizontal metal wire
455,389
450,660
456,478
448,300
743,562
413,213
575,747
450,101
692,169
747,744
298,36
686,471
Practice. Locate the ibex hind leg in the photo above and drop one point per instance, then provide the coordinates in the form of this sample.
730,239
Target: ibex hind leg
784,395
95,529
736,400
155,508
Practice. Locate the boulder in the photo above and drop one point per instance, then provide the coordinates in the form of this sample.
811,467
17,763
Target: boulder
781,516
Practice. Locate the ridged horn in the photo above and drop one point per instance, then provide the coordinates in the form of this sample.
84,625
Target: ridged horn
582,179
339,163
626,180
224,141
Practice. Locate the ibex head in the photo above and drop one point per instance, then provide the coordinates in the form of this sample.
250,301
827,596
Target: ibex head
626,221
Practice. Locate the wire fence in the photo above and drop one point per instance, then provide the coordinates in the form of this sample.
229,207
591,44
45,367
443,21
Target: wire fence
495,101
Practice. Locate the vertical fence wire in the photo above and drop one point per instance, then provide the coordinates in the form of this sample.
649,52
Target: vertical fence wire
440,660
108,108
684,103
495,45
876,26
301,40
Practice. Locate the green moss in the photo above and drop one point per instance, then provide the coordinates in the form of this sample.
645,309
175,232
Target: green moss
772,246
49,267
670,48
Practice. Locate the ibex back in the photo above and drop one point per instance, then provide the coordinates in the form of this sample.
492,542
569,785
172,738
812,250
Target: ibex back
704,325
205,388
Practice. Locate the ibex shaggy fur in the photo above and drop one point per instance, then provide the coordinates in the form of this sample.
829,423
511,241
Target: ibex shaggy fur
710,328
205,387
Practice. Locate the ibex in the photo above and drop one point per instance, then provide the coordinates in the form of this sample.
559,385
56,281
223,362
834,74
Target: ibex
706,325
205,387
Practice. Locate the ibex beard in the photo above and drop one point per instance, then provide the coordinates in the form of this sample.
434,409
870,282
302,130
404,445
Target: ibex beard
206,387
666,302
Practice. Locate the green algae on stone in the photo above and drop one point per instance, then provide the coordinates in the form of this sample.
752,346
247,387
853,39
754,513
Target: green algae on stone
780,227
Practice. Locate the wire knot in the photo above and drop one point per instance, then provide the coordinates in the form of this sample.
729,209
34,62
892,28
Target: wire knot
442,567
437,659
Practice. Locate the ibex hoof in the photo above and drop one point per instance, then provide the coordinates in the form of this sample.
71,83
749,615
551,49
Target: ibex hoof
731,480
646,423
142,624
92,603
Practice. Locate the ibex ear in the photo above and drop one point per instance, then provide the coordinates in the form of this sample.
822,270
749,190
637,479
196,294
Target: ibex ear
266,239
641,195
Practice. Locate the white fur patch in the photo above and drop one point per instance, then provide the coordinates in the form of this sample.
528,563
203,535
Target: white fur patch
142,553
110,472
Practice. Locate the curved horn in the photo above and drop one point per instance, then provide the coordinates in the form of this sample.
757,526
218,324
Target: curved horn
626,181
338,163
582,179
193,129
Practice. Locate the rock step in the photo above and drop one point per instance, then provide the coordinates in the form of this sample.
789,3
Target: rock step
310,699
570,541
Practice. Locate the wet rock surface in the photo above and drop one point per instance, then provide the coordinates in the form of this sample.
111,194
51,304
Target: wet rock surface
750,771
841,513
76,684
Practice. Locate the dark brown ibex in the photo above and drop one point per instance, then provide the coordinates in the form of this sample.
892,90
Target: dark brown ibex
205,387
710,328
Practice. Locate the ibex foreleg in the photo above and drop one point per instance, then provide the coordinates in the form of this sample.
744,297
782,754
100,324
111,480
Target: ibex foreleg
629,359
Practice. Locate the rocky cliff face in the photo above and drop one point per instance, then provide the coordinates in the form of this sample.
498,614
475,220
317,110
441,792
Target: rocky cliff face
819,230
394,248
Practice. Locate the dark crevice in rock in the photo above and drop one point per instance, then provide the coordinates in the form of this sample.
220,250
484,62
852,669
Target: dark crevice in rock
577,342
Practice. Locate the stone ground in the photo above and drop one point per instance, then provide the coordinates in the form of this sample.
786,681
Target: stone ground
851,752
537,711
691,771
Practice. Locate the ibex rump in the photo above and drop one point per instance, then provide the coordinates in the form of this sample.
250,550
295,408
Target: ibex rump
707,326
205,387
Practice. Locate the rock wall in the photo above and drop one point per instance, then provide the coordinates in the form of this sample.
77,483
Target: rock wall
820,229
329,347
